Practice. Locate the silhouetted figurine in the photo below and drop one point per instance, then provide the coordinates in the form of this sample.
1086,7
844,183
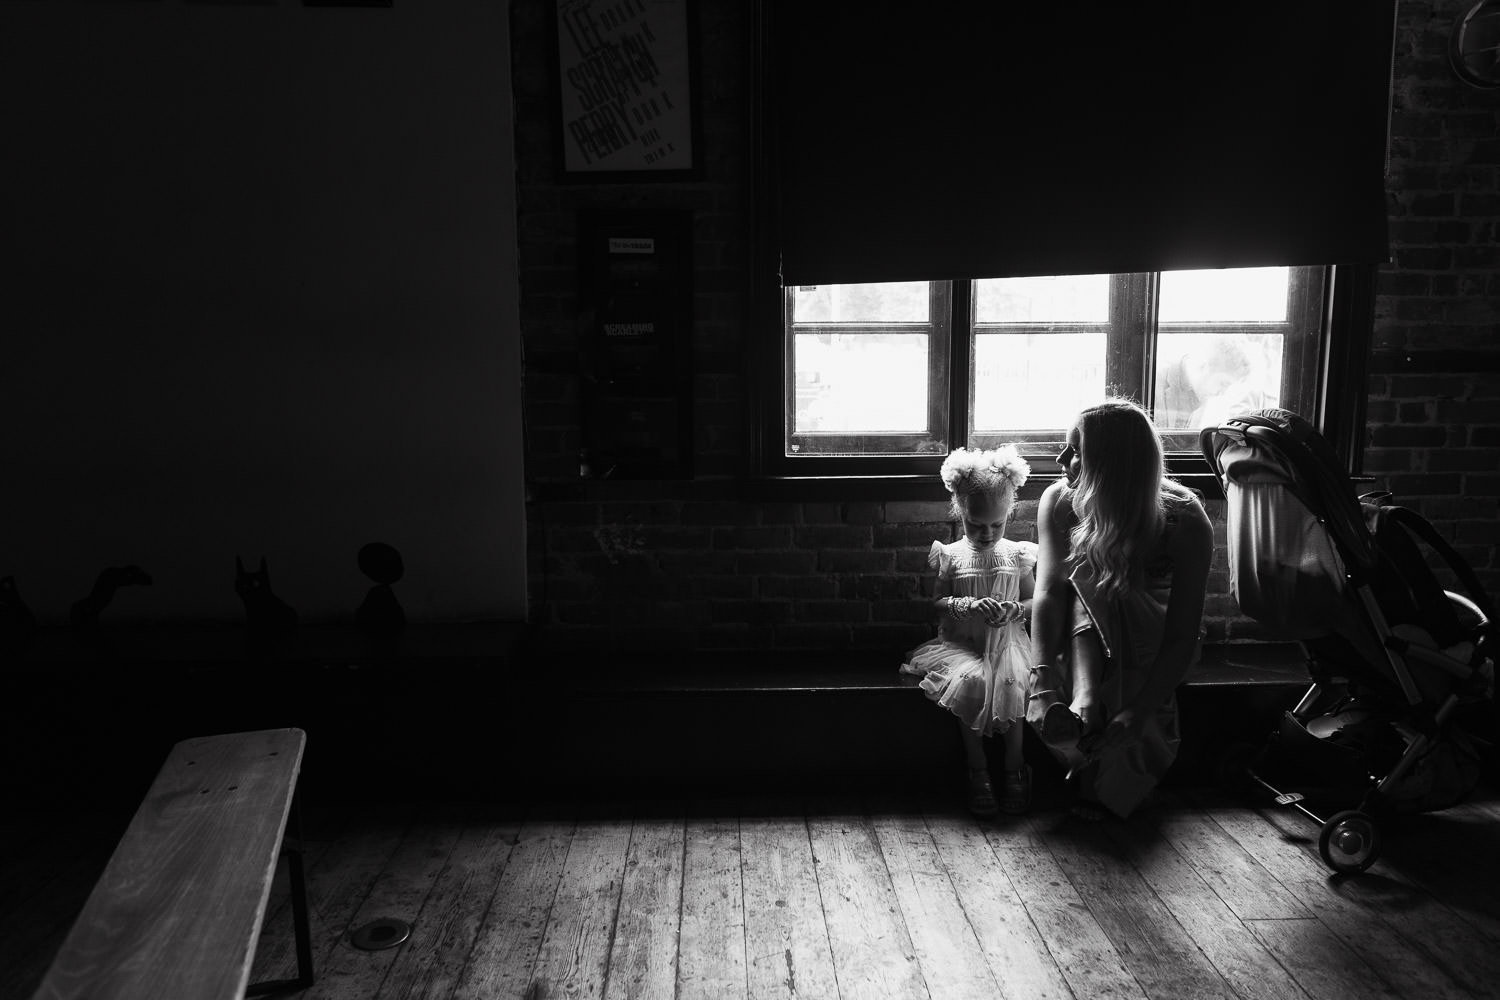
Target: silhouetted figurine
84,616
380,617
17,623
268,618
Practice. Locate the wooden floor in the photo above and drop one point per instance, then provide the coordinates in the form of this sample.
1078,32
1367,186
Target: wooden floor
1197,896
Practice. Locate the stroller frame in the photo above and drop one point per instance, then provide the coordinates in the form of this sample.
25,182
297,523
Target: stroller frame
1349,840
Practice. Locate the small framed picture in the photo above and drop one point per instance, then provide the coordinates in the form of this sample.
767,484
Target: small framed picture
626,82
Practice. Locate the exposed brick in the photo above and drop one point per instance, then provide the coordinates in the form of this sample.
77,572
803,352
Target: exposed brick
790,562
603,565
765,536
1408,437
920,512
780,513
708,587
1415,413
688,565
1387,460
750,612
918,612
1473,257
833,611
1464,460
1478,533
822,513
799,587
1423,485
891,536
843,536
855,561
876,587
665,538
864,513
642,512
721,512
1425,258
912,561
1439,205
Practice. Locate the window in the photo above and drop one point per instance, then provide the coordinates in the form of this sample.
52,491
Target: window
877,378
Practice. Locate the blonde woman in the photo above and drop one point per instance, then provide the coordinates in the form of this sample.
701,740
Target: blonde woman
1118,608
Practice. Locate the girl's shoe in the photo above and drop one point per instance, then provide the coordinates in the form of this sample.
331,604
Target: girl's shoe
1015,791
981,793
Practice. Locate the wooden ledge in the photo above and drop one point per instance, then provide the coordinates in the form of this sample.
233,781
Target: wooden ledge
771,672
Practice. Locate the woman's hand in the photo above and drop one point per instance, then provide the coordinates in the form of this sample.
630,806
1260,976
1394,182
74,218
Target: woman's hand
1124,729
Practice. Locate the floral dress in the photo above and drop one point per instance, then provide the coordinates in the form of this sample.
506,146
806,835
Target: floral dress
977,672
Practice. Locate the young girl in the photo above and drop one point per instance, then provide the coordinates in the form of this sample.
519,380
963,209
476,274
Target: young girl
977,666
1122,572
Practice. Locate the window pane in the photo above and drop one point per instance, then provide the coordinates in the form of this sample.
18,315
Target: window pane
886,302
1235,295
1035,381
860,383
1203,378
1074,298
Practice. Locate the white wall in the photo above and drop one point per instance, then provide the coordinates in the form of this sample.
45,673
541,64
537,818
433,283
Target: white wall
261,298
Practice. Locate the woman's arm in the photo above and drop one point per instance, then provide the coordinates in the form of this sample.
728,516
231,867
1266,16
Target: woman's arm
1050,594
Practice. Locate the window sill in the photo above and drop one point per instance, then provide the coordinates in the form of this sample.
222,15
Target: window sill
774,489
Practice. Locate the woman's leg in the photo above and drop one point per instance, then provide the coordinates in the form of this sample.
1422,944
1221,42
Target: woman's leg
1049,704
1087,655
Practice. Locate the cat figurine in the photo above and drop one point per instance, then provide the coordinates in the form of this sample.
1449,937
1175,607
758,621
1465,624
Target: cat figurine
268,618
380,617
84,615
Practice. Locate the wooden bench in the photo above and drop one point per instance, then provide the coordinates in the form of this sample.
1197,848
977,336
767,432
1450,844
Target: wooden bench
178,909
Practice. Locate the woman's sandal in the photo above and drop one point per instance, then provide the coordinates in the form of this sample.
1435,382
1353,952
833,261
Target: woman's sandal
981,793
1089,812
1053,720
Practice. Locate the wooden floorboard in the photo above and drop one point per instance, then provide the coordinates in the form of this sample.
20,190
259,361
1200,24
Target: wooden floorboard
1198,895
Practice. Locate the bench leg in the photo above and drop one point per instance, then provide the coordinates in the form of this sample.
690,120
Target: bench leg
291,849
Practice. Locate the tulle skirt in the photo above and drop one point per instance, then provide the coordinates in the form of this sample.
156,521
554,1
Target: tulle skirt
987,693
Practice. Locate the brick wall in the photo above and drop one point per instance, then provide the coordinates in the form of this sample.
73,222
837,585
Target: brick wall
714,564
1434,387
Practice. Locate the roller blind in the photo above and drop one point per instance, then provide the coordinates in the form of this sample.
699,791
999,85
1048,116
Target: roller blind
949,140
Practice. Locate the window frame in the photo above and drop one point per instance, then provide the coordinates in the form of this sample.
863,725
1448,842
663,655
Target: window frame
1336,387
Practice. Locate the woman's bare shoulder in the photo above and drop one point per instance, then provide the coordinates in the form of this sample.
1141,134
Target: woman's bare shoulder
1056,498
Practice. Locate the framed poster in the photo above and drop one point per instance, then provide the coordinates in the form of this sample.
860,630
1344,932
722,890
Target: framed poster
626,76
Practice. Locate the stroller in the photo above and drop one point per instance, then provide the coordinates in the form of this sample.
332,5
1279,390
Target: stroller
1400,710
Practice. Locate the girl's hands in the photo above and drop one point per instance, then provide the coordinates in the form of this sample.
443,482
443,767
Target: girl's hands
997,613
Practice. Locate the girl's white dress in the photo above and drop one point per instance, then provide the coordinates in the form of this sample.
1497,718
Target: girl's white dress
977,672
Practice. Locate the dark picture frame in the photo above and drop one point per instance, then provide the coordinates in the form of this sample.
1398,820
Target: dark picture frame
626,93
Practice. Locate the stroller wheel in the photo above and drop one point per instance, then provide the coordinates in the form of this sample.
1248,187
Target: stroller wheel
1349,842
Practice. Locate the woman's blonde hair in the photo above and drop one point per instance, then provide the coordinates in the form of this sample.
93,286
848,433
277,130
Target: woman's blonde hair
1118,496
